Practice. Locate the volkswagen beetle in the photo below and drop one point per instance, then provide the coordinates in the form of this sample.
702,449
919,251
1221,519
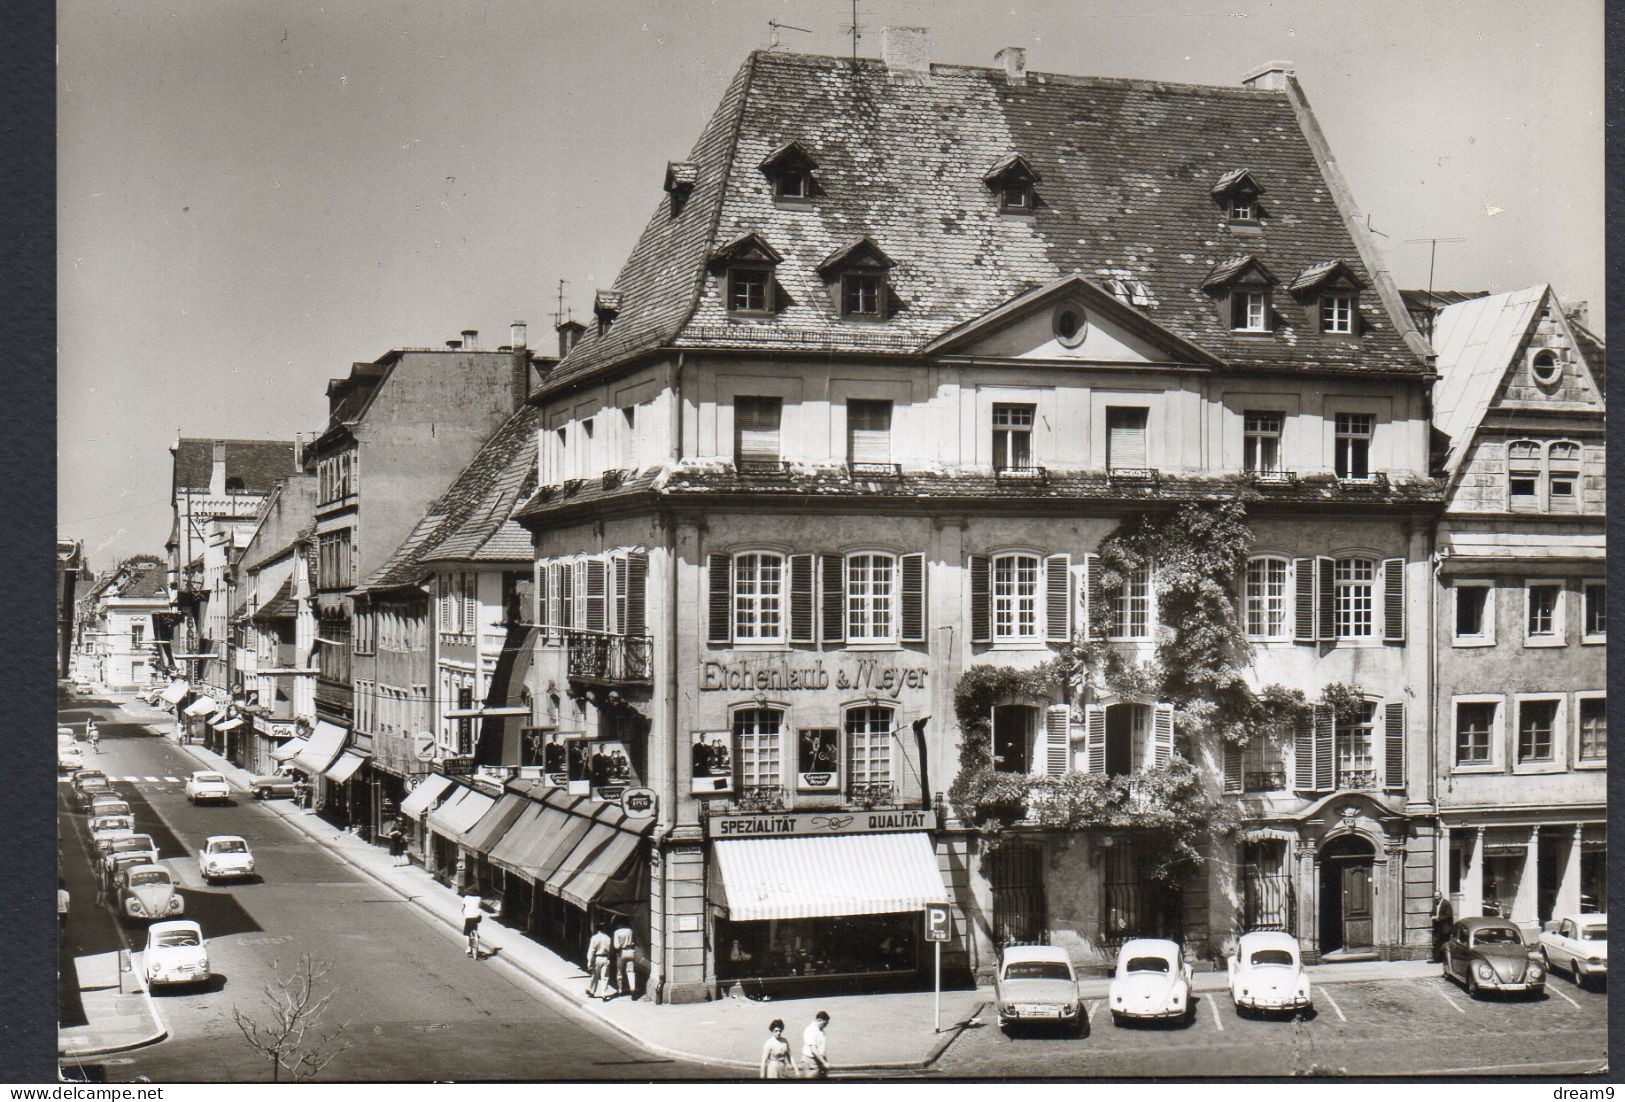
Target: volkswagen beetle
1489,954
1152,982
1267,973
148,892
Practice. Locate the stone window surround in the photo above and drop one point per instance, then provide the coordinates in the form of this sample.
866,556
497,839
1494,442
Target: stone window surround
1559,633
1498,733
1560,727
1485,638
1585,604
1588,763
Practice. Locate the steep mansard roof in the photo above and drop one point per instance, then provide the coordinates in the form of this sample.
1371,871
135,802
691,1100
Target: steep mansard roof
1127,171
258,463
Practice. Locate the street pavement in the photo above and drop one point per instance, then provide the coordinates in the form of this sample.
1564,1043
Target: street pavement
413,1006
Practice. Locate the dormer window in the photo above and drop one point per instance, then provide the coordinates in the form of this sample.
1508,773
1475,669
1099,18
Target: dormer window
862,294
861,270
789,169
1249,311
1247,288
681,176
1337,312
1242,209
1330,292
748,290
605,306
746,265
1237,192
1013,180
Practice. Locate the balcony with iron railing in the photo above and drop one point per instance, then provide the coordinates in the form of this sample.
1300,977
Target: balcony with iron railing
757,799
608,658
1264,780
1358,780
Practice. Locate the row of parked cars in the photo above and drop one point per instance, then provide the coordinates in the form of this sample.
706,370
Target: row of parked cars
1152,978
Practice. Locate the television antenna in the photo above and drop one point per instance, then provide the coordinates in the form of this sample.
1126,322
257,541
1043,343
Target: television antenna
855,30
558,314
777,27
1433,251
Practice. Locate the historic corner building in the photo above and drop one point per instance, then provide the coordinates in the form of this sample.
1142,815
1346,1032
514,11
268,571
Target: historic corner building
829,443
1521,628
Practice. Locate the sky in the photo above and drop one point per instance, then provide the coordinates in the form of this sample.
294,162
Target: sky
253,195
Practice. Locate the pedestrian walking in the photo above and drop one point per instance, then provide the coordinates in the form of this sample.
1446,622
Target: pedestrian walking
94,736
472,914
1444,916
62,900
600,957
814,1047
776,1060
397,844
624,945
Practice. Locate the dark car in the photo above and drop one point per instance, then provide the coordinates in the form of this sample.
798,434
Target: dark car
1490,954
278,785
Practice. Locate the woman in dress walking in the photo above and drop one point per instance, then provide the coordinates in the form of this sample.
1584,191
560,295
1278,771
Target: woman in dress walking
776,1062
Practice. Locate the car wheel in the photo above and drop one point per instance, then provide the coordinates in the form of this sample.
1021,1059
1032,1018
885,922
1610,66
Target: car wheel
1118,1019
1472,985
261,794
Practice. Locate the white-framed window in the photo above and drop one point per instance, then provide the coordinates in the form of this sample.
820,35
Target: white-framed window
1478,735
758,597
758,747
871,596
1590,729
1543,621
1266,598
1015,597
1474,613
1353,580
750,290
1594,599
1249,311
863,295
1242,208
869,745
1539,730
1356,764
1261,440
1351,442
1012,435
1337,312
1131,607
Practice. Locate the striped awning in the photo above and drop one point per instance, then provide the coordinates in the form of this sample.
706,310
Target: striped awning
203,705
290,749
826,877
429,790
459,812
483,835
590,871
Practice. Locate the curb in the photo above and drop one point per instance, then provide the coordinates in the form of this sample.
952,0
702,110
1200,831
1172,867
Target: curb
949,1036
109,1050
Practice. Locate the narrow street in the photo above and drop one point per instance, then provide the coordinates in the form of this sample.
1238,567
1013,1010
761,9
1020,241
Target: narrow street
414,1007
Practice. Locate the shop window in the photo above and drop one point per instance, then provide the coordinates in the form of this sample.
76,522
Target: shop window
846,948
1131,607
869,749
1543,619
1475,732
758,597
1353,581
1126,438
868,430
1261,441
1595,596
1475,622
756,430
1537,721
870,598
1012,436
1356,767
1266,598
758,749
1352,445
1014,727
1592,745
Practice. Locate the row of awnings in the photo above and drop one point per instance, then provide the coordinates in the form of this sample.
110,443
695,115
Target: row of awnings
322,752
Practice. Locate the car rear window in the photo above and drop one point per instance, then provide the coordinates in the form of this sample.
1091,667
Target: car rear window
235,845
1594,933
207,777
154,877
1146,964
1497,935
1037,970
177,940
1272,956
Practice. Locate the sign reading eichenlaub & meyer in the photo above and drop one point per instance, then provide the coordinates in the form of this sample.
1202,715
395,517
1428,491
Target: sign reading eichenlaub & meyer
779,823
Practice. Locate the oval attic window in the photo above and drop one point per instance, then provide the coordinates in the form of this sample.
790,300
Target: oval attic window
1071,324
1544,366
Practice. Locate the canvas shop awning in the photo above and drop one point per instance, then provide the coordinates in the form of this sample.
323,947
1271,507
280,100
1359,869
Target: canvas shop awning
322,748
343,769
490,828
290,749
203,705
596,860
227,724
459,812
429,790
176,690
827,877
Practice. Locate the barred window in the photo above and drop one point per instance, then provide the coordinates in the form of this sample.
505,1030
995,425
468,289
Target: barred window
1015,597
1266,598
868,746
757,746
1131,608
759,597
870,581
1354,580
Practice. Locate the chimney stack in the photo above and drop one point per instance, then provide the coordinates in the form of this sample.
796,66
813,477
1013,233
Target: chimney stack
1579,313
519,359
517,334
907,54
1014,60
217,473
454,345
569,332
298,452
471,339
1270,76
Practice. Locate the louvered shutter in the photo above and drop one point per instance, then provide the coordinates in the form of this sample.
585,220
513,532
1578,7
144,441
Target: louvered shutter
1393,745
1303,755
1058,598
1080,595
1325,732
832,599
981,622
1057,739
567,594
618,595
542,590
1393,600
471,603
1232,767
1094,601
913,596
448,606
637,593
756,429
1325,599
802,591
868,431
596,575
721,604
1303,592
1094,738
556,600
1162,735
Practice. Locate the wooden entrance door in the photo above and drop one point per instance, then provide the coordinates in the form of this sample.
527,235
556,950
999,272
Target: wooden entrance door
1357,930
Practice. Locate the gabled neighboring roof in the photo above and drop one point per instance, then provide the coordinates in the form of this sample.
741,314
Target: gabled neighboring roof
258,463
1128,168
1476,341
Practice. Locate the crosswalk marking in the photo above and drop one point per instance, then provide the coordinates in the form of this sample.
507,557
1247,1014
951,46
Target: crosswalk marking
152,779
131,780
171,780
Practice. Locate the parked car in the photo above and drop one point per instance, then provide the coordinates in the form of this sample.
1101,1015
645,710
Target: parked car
224,856
1578,945
176,954
87,785
1152,982
105,828
1036,983
278,785
69,757
1267,973
207,787
133,843
149,891
1489,954
112,870
108,803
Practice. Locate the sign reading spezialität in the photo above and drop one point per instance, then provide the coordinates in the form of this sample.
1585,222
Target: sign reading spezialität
784,823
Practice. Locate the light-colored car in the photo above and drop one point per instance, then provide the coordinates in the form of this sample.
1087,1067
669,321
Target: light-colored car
1267,973
176,954
70,757
148,892
109,803
1490,954
133,843
105,828
1152,982
278,785
225,856
1036,983
207,787
1578,945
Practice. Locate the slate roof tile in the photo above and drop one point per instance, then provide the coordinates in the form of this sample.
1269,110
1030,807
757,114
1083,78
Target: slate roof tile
258,463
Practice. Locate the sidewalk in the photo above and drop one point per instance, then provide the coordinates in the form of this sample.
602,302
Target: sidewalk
115,1021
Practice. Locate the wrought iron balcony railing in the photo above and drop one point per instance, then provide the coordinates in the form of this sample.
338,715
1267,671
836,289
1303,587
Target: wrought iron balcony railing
608,659
874,794
761,797
1264,780
1133,474
1279,478
1021,474
1358,779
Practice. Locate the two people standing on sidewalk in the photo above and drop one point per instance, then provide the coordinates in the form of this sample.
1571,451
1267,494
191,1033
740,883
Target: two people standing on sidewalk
612,961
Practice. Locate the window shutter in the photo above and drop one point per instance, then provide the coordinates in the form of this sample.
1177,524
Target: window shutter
1393,745
1081,574
471,603
801,599
1393,600
756,429
1058,598
1303,626
447,608
913,568
595,594
834,598
1125,437
1162,735
1232,767
567,586
981,623
556,600
618,595
868,428
1325,729
542,590
637,593
1058,741
1094,738
1303,755
721,610
1325,599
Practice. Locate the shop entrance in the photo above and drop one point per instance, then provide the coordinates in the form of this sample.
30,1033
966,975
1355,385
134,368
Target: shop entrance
1346,901
1017,875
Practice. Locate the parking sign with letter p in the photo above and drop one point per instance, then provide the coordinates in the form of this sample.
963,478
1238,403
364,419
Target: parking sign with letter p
939,922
